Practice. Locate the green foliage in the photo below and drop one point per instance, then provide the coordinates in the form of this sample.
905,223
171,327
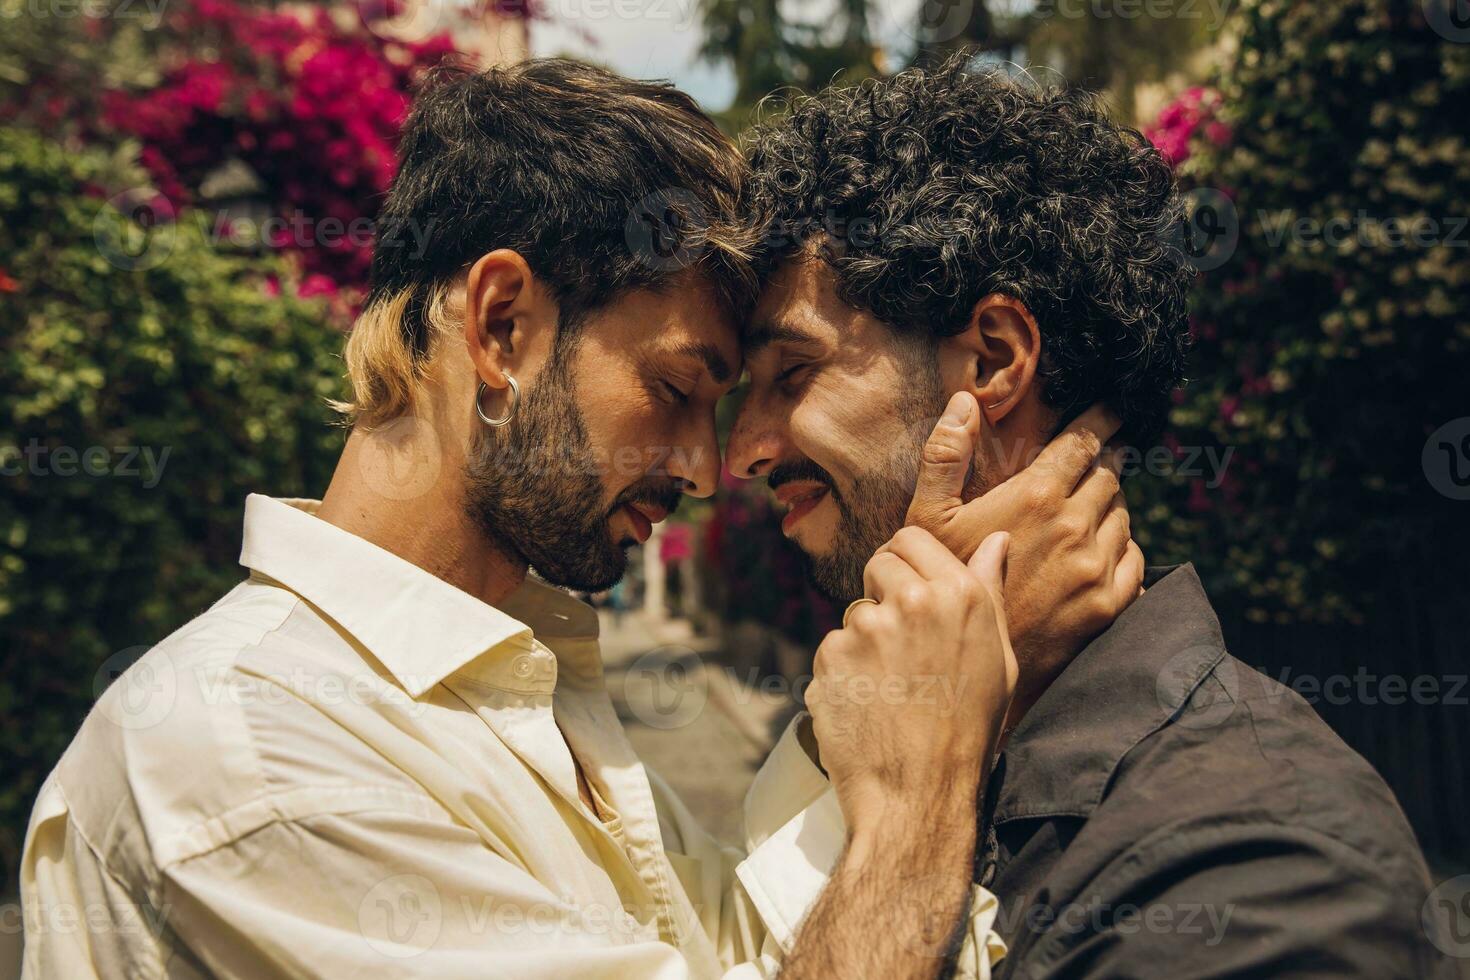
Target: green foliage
77,52
1100,47
179,356
1325,361
768,50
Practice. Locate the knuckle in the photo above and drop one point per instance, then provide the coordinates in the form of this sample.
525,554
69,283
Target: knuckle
1037,496
880,558
921,515
1092,568
1074,527
1089,444
912,599
941,452
862,624
815,699
910,535
828,655
1103,609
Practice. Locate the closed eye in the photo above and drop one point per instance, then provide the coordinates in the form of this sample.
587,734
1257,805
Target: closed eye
678,396
789,374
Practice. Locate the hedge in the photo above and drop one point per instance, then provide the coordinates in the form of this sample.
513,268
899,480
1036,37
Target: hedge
150,380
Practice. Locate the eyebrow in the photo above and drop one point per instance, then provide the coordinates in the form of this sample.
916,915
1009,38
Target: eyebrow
767,332
719,368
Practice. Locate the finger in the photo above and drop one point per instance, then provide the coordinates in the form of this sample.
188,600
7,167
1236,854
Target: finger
922,550
1114,533
1096,492
989,562
1074,450
886,574
834,652
1128,580
989,565
944,465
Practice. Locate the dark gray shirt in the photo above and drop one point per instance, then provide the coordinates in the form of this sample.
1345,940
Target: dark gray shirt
1166,811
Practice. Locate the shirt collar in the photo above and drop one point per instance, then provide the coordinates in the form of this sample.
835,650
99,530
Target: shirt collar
1125,684
421,628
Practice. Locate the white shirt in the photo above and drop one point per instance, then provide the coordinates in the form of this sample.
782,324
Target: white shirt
347,767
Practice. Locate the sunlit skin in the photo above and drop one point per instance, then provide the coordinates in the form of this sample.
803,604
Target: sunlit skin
648,371
828,383
647,380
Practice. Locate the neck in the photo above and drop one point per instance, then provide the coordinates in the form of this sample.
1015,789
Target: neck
404,492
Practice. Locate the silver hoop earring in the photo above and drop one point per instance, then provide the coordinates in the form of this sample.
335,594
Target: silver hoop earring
510,410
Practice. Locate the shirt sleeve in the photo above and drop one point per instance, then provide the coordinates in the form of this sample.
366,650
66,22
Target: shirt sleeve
1236,901
794,837
79,920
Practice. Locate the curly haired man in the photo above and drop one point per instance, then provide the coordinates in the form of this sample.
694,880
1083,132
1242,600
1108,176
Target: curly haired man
971,238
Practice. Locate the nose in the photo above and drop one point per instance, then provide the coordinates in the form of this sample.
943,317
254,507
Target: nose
697,463
754,445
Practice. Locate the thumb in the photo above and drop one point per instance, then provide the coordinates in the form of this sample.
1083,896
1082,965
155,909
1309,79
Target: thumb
944,465
989,562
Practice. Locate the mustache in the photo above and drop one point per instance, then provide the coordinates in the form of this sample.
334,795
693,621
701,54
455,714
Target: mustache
800,469
664,494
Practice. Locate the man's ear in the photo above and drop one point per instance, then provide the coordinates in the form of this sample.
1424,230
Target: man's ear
504,313
995,356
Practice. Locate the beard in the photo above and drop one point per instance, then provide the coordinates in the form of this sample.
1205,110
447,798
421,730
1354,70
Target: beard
873,508
534,488
868,514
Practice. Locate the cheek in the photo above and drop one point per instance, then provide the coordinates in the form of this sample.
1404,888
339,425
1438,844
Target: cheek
628,434
848,428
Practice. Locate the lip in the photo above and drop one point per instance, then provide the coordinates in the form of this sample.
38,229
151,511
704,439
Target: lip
801,497
643,518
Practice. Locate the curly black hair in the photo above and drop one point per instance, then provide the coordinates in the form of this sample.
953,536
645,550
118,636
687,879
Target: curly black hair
928,190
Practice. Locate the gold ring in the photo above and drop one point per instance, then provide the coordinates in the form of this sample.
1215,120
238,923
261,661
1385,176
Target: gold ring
853,605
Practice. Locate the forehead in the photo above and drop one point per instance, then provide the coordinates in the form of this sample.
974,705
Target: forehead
684,319
800,305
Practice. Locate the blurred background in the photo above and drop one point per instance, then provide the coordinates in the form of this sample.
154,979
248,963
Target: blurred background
187,194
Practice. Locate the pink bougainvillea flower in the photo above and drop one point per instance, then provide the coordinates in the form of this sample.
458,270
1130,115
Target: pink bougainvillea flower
1180,120
310,103
316,284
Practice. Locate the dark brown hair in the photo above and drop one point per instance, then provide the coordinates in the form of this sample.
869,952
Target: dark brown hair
602,183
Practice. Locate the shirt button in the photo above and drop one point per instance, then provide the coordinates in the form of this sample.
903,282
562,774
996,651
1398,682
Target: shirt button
523,667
